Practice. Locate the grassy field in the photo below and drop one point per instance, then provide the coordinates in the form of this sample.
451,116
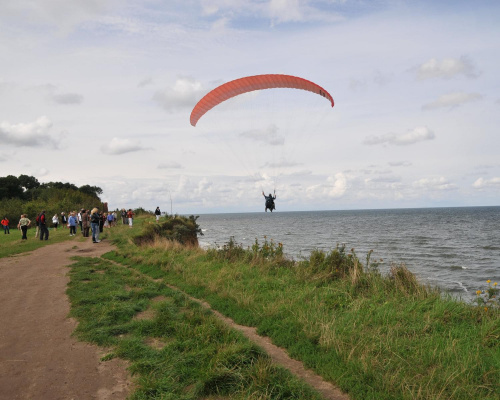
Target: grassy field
12,244
376,337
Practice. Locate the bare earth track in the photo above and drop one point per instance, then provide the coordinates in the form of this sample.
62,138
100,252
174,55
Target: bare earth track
39,359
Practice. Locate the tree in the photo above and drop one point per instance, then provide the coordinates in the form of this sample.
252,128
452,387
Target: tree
28,182
59,185
94,191
10,188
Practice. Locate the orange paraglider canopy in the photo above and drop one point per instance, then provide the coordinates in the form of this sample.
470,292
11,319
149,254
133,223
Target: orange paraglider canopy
249,84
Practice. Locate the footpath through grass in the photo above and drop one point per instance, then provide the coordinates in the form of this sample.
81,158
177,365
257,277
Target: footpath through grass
177,349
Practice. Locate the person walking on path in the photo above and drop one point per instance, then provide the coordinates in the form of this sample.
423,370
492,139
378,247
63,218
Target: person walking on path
72,224
94,223
44,231
5,225
158,214
23,225
55,221
110,220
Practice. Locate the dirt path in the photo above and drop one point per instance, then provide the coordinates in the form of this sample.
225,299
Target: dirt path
38,357
281,357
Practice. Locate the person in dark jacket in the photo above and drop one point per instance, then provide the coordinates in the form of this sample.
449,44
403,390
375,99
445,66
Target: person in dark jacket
64,220
269,201
85,223
158,214
95,217
102,218
44,231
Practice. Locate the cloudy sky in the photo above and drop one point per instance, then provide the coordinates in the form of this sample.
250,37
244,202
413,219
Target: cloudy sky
100,92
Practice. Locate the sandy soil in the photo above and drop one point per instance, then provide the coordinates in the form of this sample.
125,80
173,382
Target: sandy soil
38,357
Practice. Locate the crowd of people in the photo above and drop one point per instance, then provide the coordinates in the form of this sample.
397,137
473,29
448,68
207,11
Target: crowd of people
89,221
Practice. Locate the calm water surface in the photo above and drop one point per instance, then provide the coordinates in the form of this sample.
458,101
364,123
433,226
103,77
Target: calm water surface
457,249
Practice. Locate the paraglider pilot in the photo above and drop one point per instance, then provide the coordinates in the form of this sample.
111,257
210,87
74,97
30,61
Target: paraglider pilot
270,201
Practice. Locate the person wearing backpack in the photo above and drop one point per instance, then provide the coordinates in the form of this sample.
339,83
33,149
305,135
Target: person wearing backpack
44,232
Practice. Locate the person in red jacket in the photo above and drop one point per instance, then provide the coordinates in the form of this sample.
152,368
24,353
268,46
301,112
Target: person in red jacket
44,231
5,224
130,216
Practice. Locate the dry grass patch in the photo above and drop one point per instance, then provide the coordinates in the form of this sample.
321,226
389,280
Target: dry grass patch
157,299
155,343
146,314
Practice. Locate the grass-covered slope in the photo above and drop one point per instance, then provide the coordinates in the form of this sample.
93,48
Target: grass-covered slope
377,337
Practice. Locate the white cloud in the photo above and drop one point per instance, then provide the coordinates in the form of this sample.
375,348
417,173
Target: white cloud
170,165
334,187
419,134
281,164
482,183
41,172
452,100
31,134
278,11
434,184
400,164
447,68
67,98
285,10
121,146
145,82
60,13
184,93
378,78
339,185
268,135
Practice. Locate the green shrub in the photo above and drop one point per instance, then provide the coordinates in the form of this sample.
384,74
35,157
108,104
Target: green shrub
176,228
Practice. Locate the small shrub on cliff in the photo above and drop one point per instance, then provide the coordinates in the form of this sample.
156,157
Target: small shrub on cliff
176,228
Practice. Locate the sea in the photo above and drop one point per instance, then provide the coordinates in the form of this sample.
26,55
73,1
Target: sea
456,249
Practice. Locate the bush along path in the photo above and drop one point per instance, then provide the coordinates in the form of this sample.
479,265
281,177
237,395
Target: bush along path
177,348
